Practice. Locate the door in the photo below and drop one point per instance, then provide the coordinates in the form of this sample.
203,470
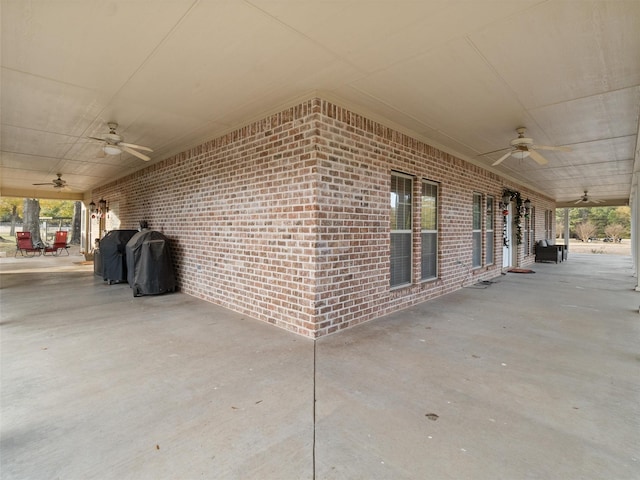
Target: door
507,240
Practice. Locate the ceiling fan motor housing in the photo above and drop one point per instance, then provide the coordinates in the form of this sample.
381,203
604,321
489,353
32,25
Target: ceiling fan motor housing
522,142
112,138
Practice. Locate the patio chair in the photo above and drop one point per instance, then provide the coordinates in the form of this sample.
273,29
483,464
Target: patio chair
59,245
546,252
25,246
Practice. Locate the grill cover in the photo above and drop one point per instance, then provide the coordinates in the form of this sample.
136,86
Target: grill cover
149,265
112,252
97,263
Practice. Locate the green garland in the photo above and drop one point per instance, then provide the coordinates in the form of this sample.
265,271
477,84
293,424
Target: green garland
517,214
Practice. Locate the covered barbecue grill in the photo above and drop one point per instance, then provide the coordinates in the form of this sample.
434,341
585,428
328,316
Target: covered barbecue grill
149,265
113,255
98,269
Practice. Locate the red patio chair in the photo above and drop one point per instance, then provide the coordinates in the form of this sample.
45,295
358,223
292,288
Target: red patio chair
59,245
25,246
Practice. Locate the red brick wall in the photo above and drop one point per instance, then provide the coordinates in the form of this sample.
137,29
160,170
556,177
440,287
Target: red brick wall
287,219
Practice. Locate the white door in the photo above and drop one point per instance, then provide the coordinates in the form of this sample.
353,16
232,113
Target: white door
506,234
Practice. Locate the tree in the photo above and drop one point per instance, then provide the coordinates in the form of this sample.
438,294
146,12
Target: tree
621,215
585,230
614,231
599,216
76,224
57,208
31,221
11,208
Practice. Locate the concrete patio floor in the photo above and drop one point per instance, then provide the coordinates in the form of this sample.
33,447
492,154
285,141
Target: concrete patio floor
533,376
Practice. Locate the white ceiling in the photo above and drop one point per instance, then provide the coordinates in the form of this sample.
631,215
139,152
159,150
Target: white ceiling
461,75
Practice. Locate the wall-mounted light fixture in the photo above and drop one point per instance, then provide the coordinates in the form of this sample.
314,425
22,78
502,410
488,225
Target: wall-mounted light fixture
506,200
100,210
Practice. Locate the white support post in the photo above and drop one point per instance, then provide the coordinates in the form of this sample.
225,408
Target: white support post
635,229
566,228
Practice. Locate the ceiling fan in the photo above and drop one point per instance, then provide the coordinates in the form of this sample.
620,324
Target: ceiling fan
586,199
56,182
523,147
113,144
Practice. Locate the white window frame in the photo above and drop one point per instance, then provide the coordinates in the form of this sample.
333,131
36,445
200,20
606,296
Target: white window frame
532,230
525,235
429,232
407,231
490,239
476,231
548,218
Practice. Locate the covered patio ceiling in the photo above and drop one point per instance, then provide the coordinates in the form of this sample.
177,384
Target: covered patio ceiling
460,75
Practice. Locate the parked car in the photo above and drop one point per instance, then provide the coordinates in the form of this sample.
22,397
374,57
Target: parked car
609,239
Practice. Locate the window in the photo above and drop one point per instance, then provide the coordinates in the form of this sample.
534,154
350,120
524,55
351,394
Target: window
532,230
401,198
477,231
525,235
489,235
548,218
429,230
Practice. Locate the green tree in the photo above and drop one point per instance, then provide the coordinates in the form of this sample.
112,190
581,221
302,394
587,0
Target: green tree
57,208
11,209
621,216
600,217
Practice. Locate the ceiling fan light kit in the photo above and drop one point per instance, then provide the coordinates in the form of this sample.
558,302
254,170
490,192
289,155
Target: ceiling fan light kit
111,150
520,154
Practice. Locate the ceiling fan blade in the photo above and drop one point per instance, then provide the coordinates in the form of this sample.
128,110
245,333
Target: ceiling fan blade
501,159
579,201
134,153
537,157
494,151
548,147
133,145
96,139
49,183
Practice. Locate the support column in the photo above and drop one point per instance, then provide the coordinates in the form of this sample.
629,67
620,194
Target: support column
84,222
635,229
566,228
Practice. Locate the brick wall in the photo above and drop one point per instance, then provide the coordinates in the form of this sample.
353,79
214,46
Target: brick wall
287,219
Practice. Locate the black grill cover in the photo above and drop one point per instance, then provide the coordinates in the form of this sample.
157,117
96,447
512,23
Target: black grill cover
97,263
149,265
112,252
